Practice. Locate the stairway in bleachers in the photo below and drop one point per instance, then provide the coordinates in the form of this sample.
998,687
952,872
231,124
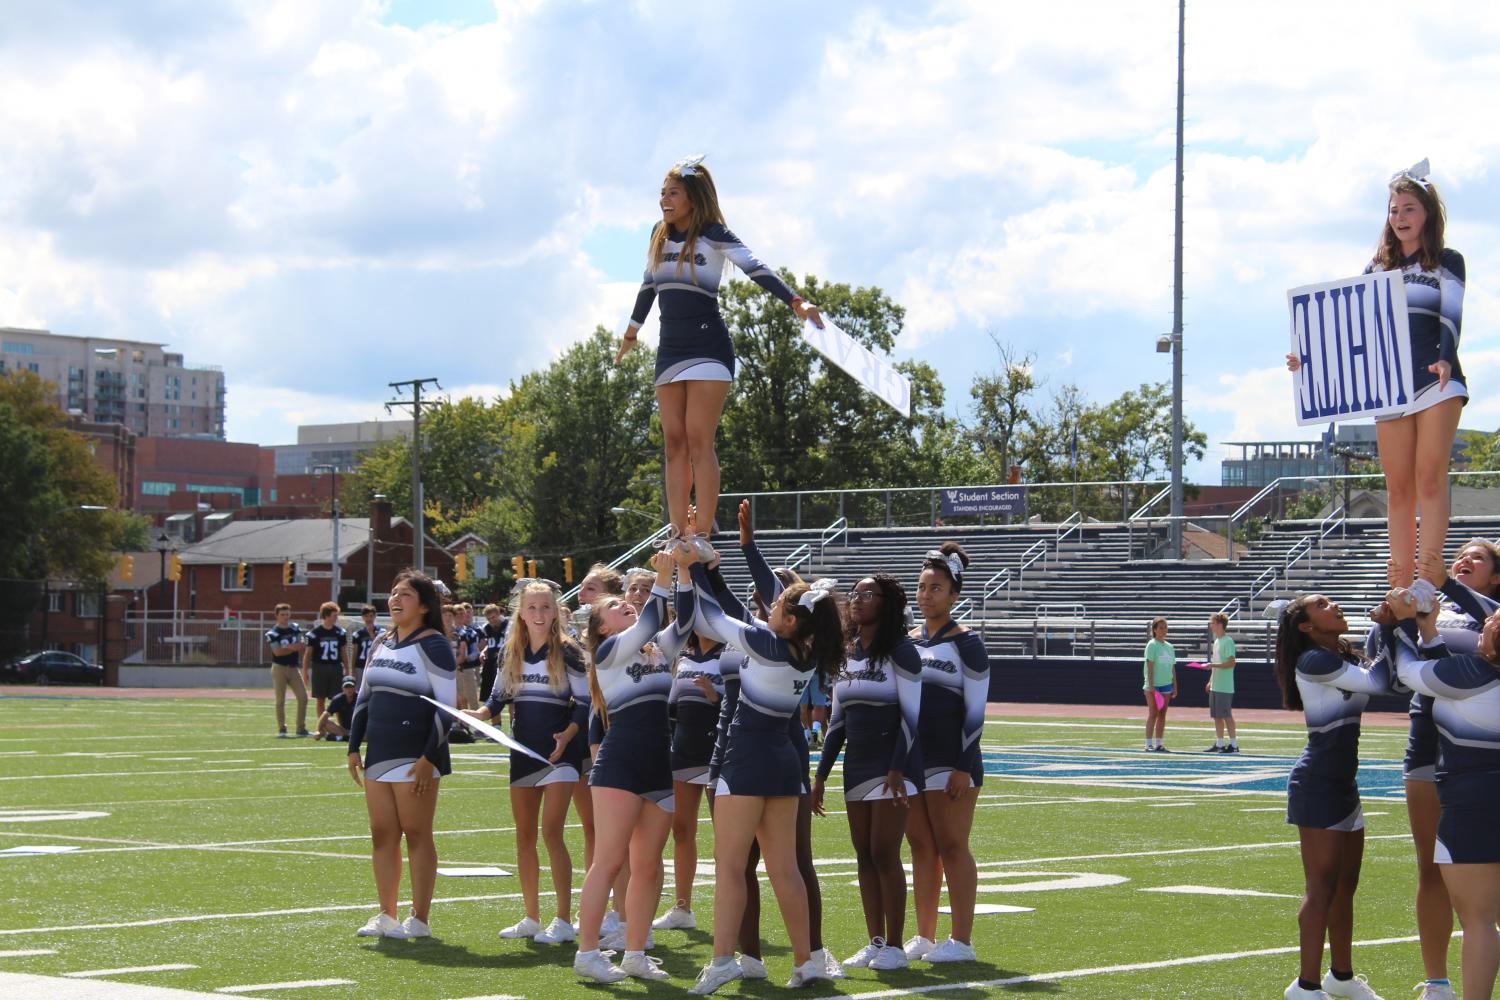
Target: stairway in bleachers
1091,595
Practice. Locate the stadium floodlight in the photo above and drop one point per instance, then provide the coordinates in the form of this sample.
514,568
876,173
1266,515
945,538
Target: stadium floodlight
1164,344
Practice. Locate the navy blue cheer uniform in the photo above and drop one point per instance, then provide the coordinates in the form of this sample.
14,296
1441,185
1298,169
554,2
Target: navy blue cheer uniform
955,690
695,344
759,758
392,717
1321,791
876,708
542,708
634,671
1434,311
694,735
1465,691
327,648
1460,617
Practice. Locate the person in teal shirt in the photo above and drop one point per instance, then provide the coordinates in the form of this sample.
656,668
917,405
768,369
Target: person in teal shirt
1220,685
1159,682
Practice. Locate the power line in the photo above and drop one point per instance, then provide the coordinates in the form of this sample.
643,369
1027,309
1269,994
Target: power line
419,535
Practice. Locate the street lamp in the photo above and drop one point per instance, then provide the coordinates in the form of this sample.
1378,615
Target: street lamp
333,493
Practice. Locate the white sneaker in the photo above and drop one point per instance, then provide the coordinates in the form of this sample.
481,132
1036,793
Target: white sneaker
676,919
642,966
1358,987
1435,991
918,947
610,922
890,957
808,972
752,967
1426,596
555,933
952,951
415,928
830,965
596,965
861,959
713,976
1295,992
615,939
527,928
382,925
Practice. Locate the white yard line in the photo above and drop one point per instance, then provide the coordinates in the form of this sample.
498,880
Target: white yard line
298,984
1104,970
27,952
128,970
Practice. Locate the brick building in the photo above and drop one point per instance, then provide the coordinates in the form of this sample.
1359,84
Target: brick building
210,567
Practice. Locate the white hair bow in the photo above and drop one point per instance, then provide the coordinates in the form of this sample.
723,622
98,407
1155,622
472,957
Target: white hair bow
1416,173
816,592
951,560
688,165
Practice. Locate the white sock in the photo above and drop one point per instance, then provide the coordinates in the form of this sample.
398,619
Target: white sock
588,954
1219,741
817,727
636,954
720,961
1234,741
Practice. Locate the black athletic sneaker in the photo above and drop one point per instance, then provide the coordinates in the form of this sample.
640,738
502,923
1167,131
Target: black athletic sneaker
1231,748
1214,749
1162,749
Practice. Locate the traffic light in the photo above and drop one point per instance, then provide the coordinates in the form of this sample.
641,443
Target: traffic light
517,567
241,574
567,569
531,567
461,567
174,567
127,567
288,573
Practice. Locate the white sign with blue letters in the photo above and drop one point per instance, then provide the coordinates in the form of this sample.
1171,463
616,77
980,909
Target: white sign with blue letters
875,374
1354,345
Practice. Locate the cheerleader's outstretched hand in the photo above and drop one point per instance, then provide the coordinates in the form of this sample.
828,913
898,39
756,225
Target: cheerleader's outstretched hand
807,311
627,344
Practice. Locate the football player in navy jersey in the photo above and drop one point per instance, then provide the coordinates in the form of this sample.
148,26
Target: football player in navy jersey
493,634
325,656
285,644
695,356
364,638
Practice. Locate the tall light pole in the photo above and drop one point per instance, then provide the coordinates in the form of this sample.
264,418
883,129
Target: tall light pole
419,537
333,493
1177,304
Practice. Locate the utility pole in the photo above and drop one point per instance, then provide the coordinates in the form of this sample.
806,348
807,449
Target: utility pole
333,494
1177,304
419,534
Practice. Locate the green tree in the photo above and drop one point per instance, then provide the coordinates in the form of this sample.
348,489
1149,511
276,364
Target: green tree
1001,407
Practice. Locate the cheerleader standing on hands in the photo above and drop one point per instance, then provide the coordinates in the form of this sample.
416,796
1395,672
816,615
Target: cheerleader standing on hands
695,356
1415,447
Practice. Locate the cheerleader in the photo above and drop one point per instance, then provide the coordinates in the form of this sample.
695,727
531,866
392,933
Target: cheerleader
544,678
1415,447
1465,693
697,690
876,704
1319,673
695,356
407,751
631,781
599,581
761,776
955,689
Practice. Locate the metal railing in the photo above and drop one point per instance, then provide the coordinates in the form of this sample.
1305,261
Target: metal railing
962,610
1000,581
797,557
838,529
1232,609
1072,524
645,543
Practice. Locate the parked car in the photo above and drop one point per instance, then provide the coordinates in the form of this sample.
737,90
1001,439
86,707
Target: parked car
51,667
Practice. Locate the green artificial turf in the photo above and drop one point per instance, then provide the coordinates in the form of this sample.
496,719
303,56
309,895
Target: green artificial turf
248,824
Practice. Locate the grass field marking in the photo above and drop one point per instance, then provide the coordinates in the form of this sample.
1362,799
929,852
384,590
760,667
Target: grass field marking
128,971
160,772
1105,970
298,984
27,952
1214,849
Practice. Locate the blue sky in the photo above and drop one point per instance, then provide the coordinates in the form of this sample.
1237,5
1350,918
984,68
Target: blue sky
327,196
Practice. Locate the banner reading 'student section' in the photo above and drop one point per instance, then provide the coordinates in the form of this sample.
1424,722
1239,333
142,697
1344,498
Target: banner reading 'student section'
984,500
860,362
1355,347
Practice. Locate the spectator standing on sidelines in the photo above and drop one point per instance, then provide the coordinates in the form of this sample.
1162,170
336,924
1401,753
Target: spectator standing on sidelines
493,634
1220,685
468,666
285,643
1159,683
364,638
325,654
334,723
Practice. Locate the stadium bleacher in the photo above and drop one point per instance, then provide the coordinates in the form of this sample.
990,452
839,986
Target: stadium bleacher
1086,591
